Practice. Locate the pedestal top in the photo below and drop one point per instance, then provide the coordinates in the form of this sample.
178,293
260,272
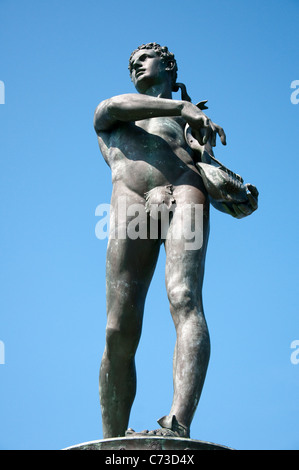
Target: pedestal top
148,443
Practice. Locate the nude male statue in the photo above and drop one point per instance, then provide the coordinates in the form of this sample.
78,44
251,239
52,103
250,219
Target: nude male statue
141,137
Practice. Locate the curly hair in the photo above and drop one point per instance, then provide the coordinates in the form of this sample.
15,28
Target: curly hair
161,51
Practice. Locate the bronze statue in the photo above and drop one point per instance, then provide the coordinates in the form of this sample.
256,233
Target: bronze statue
156,148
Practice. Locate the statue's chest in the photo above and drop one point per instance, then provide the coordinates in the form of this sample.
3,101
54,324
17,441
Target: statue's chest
168,129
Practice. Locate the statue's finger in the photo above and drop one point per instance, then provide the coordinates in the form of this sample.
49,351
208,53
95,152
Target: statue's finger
206,133
253,201
238,213
221,134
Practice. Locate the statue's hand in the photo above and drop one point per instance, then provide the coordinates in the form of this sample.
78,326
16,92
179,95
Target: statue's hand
241,210
198,121
212,135
203,129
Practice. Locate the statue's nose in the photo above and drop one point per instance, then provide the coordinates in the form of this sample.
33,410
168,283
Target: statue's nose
137,65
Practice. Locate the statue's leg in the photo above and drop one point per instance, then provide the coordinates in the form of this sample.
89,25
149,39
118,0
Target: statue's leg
184,279
130,266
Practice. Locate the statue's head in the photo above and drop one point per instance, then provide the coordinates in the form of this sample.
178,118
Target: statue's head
165,55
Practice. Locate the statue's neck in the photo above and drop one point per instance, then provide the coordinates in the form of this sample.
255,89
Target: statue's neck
160,91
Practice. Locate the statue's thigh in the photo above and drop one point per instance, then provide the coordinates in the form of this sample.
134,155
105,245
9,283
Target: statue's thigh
185,256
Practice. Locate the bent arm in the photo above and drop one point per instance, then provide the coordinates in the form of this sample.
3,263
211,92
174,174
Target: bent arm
135,107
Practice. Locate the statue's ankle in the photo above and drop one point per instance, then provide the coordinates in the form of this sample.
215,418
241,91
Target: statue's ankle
170,422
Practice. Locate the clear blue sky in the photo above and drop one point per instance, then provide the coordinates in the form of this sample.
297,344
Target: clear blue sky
59,59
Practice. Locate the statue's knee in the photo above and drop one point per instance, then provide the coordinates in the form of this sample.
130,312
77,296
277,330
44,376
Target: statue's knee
182,298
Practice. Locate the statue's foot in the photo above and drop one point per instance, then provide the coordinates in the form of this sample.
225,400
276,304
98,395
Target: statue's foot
171,423
163,432
170,427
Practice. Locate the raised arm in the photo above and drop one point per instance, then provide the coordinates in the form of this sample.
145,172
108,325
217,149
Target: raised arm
135,107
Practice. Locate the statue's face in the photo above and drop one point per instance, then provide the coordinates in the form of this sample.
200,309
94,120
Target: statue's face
148,69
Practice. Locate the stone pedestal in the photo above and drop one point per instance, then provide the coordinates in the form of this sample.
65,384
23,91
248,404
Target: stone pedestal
148,443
